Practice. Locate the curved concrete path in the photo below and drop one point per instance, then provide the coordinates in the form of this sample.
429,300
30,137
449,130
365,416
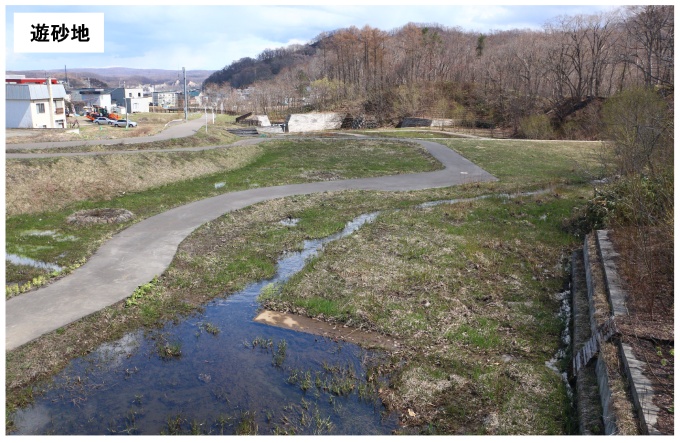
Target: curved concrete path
144,250
175,131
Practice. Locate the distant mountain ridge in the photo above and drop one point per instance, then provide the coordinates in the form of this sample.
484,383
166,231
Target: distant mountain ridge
114,75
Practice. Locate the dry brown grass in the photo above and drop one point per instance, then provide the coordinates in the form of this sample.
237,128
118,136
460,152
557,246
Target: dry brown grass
148,124
467,302
600,300
44,185
622,406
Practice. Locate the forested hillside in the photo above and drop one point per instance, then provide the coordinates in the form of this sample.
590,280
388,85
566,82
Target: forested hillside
547,82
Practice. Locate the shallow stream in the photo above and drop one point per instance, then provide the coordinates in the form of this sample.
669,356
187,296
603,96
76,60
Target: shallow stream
218,373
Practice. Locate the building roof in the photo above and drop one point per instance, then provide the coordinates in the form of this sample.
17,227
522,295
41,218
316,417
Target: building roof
33,92
77,94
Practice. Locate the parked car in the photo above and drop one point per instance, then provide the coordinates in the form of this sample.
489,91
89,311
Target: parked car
123,122
101,120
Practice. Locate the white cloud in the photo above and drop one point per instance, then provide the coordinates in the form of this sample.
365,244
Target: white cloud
211,37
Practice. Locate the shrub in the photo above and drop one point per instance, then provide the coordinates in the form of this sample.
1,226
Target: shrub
633,200
536,127
639,124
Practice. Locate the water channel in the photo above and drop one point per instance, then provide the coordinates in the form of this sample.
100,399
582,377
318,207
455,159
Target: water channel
230,375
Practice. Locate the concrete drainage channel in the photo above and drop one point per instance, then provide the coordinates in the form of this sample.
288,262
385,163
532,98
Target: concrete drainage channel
597,300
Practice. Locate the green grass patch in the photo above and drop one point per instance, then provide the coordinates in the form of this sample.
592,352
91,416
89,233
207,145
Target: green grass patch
525,162
320,306
483,334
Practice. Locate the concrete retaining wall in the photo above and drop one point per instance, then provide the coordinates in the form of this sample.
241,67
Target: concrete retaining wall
257,120
315,121
415,122
601,373
421,122
275,129
641,389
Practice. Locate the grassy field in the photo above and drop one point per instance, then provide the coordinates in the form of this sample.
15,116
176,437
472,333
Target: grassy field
523,163
468,290
408,133
42,193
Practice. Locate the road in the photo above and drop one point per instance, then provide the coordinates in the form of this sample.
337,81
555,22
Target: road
144,250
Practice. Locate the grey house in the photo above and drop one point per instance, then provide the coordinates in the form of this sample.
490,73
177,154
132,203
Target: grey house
28,106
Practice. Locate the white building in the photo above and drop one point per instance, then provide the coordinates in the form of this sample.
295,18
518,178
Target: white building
91,98
35,106
166,99
132,98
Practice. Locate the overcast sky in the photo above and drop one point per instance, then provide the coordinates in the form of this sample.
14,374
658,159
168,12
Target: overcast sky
212,36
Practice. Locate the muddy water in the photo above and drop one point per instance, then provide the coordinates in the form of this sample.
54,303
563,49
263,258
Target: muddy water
231,376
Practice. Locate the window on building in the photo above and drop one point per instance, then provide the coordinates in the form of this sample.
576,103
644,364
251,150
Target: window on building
40,108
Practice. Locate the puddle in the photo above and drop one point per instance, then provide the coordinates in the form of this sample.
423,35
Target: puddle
37,233
53,234
481,197
451,202
564,315
25,261
289,221
230,374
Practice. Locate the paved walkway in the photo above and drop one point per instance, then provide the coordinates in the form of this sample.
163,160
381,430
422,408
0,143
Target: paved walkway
144,250
174,131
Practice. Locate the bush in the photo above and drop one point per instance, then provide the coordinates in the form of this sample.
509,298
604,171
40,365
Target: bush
633,200
639,124
536,127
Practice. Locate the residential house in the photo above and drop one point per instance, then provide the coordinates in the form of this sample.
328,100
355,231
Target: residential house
131,98
194,97
34,103
91,98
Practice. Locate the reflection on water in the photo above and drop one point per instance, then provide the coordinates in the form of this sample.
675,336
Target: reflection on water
226,375
25,261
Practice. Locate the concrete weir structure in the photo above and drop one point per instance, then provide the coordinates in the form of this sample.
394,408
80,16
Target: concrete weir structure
426,122
314,121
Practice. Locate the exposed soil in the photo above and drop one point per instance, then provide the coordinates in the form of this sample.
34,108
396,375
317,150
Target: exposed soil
336,332
103,215
647,275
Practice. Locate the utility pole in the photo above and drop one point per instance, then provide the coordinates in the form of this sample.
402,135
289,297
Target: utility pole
50,105
184,72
